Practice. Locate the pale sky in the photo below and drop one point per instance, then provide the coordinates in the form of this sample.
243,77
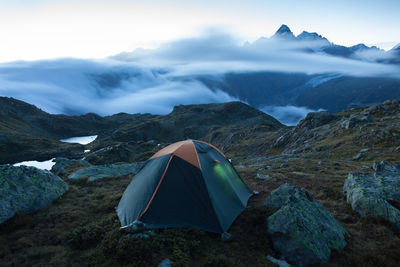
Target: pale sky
44,29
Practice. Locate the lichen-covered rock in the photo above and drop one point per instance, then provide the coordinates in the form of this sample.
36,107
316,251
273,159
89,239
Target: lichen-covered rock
103,171
27,189
354,121
300,228
376,195
316,119
63,163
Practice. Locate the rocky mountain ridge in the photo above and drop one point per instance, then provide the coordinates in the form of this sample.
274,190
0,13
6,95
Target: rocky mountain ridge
324,45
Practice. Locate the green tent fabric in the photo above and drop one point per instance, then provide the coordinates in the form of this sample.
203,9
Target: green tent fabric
186,184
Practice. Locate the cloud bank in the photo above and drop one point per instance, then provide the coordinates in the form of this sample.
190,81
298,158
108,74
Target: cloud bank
72,86
217,52
154,81
288,115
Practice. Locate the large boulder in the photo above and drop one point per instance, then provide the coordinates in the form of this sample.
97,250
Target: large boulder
27,189
300,228
376,195
103,171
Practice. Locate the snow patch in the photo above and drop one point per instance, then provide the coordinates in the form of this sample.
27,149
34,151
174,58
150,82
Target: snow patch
83,140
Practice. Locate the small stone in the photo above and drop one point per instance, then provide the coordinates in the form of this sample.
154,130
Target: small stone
284,165
262,176
144,235
280,263
358,156
365,168
364,150
319,163
226,237
165,263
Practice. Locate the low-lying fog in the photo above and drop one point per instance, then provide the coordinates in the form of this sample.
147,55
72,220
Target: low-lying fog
154,81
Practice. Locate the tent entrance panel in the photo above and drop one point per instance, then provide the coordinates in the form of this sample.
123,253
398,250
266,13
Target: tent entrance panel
140,190
182,200
228,193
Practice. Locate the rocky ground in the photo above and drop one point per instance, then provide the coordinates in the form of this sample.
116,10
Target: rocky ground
322,154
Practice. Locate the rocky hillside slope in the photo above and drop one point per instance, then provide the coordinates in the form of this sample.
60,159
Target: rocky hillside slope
28,133
308,175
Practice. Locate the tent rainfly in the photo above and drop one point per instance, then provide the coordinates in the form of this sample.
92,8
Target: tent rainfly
186,184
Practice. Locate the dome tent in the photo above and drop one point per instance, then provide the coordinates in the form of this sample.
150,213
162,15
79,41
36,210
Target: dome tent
186,184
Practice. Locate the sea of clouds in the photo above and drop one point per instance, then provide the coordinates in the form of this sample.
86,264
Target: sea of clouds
153,81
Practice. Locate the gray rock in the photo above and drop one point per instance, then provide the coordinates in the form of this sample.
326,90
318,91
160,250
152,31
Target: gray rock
366,168
144,235
320,148
316,119
280,263
122,152
103,171
226,237
262,176
354,121
165,263
63,163
384,168
27,189
300,228
350,122
374,195
358,156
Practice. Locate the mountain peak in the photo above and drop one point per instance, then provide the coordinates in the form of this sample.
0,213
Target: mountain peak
358,47
283,29
362,47
311,36
284,32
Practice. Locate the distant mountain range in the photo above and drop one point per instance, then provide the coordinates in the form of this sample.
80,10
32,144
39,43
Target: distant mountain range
330,91
320,44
